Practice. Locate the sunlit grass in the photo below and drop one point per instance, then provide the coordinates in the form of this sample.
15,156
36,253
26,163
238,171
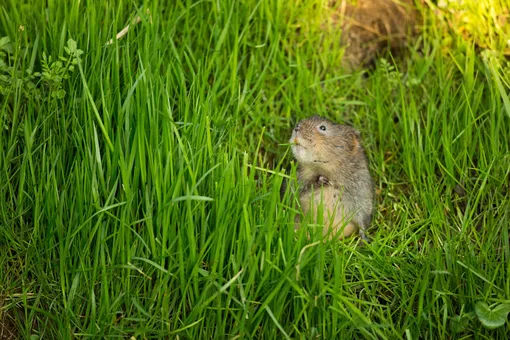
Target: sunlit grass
177,227
485,23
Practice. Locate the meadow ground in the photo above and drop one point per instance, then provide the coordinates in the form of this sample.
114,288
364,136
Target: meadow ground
140,180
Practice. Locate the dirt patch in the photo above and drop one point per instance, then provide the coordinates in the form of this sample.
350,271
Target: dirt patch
8,329
372,26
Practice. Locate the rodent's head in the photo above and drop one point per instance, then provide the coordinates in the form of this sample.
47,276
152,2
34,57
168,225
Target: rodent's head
317,140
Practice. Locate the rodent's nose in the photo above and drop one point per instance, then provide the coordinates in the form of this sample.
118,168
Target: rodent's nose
297,128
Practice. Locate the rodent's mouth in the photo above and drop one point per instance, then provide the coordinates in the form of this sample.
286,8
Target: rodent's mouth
294,140
299,148
296,145
299,151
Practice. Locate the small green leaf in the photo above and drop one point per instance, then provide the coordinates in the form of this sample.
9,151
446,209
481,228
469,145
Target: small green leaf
460,323
492,318
60,94
71,44
4,41
5,44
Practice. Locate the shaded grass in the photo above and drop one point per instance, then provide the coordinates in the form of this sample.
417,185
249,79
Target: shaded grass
178,228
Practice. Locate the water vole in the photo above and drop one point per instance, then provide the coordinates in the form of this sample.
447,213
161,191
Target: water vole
333,167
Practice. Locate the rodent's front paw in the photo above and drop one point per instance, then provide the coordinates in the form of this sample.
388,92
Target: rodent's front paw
322,180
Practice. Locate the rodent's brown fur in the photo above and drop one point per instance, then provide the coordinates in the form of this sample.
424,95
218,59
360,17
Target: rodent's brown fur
333,167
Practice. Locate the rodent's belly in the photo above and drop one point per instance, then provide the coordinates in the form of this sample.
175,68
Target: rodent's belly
335,215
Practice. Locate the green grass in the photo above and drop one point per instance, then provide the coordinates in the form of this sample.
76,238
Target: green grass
145,202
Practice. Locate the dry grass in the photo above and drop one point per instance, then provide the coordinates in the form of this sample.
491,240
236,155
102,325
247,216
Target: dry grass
8,329
369,27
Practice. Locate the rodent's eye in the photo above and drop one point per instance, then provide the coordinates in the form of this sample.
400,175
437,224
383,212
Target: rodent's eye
322,127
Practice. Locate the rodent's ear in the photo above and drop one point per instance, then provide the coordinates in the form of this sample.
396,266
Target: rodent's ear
353,140
356,133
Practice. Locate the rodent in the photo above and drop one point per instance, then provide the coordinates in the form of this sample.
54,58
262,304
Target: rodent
331,157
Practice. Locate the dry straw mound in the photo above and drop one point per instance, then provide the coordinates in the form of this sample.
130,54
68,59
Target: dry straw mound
371,26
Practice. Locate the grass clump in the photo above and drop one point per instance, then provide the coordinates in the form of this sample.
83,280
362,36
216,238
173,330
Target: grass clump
142,200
